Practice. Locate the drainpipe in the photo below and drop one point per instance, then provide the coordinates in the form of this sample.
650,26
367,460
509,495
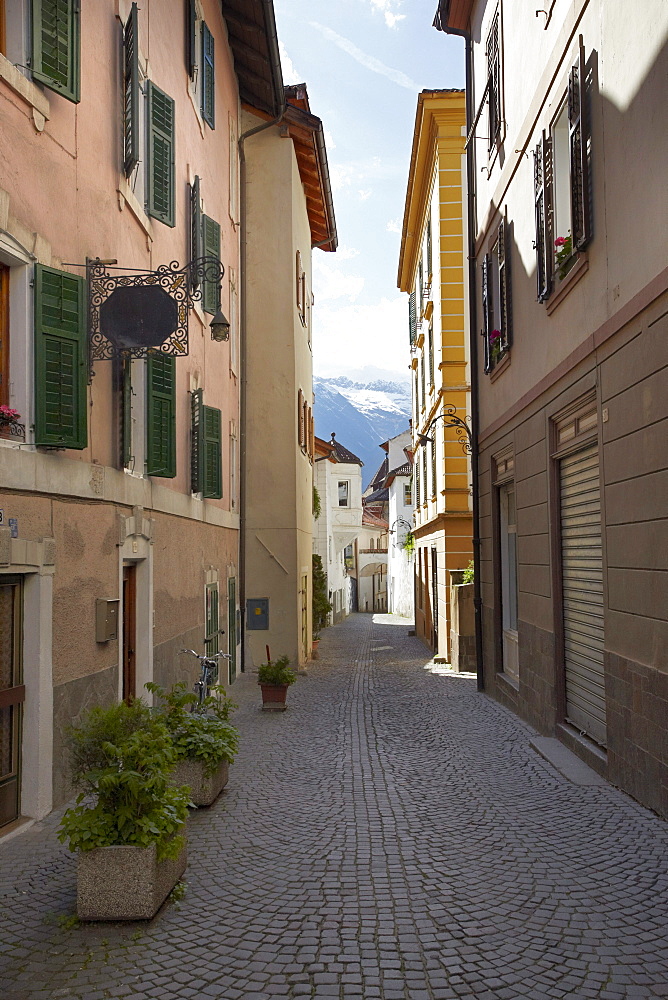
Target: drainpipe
473,339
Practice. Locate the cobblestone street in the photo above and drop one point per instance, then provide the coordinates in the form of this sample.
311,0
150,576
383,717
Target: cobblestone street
392,835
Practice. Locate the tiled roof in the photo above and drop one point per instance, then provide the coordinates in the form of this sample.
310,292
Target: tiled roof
377,496
379,477
343,455
401,470
374,520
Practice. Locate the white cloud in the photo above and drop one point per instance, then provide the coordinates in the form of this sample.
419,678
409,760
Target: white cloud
346,253
290,74
394,226
355,335
366,60
386,7
331,283
329,140
365,195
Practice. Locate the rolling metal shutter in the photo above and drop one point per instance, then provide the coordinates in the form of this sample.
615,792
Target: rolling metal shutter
582,565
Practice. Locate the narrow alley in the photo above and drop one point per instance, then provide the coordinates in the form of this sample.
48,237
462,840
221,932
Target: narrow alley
392,835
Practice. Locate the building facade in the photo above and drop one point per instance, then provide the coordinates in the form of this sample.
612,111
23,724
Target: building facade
569,248
431,271
400,550
118,479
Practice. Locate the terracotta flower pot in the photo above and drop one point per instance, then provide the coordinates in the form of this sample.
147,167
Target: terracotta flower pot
316,654
273,697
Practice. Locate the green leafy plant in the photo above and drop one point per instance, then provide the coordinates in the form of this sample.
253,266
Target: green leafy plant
320,606
277,672
120,759
317,509
469,573
206,736
564,256
409,543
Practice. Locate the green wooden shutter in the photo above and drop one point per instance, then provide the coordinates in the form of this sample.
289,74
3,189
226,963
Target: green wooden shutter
191,23
505,301
487,310
211,241
579,159
56,45
196,435
60,359
212,445
196,235
131,93
161,416
126,411
208,78
160,155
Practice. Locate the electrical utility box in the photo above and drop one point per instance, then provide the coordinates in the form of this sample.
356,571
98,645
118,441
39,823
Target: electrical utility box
257,613
106,620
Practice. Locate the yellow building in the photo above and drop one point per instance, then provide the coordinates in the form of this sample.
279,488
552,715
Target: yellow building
431,270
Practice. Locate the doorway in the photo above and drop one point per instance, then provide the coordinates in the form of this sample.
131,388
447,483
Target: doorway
232,628
129,632
12,697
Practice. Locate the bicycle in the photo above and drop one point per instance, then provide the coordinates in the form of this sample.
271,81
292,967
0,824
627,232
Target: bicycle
208,675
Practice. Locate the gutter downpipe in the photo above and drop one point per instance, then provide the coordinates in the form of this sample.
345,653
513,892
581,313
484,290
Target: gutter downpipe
473,346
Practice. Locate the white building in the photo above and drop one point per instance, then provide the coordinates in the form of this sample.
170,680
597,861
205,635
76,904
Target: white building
371,562
337,477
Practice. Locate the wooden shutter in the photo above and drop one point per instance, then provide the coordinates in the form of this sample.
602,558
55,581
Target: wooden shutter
504,286
212,457
126,411
211,640
433,469
208,78
196,435
196,241
579,160
160,155
412,318
417,482
161,416
191,35
494,83
131,93
56,45
60,359
211,242
487,311
300,417
430,262
431,353
542,173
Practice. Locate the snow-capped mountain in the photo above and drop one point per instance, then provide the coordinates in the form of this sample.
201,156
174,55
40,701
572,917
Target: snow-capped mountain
362,415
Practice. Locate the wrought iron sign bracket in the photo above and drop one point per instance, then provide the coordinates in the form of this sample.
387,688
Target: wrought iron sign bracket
134,313
450,419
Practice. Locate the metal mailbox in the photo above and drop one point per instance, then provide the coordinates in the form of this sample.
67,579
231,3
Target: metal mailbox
257,613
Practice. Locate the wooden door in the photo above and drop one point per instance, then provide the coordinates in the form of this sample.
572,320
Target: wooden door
12,696
129,632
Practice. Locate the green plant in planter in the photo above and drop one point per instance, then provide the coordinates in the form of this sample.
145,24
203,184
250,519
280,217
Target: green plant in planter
205,736
277,672
317,508
121,758
469,573
320,606
409,543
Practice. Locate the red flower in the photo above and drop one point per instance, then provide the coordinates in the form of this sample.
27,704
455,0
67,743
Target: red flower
560,241
494,335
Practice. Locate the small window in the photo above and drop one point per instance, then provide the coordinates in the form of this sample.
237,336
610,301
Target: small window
212,619
496,312
344,493
408,498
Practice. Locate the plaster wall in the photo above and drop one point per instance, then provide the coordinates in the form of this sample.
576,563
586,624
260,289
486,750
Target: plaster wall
279,363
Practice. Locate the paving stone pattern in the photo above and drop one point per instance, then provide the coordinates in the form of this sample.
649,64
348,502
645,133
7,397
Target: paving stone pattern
392,835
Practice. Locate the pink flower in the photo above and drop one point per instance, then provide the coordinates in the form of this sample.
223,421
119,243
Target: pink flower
495,335
560,241
6,413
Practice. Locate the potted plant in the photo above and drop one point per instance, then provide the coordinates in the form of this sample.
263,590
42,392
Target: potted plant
274,678
205,742
128,823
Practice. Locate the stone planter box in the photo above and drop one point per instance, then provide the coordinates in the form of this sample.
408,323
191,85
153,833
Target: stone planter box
125,883
273,697
204,789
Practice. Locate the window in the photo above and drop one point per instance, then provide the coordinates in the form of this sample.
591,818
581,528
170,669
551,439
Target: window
161,416
211,611
508,540
160,155
301,427
496,311
493,54
300,277
408,499
211,247
233,466
429,252
433,470
423,378
196,234
344,493
421,284
131,93
206,452
55,45
431,353
208,78
417,483
60,359
424,474
4,335
124,383
561,185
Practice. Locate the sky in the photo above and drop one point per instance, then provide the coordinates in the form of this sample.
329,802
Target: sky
364,63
